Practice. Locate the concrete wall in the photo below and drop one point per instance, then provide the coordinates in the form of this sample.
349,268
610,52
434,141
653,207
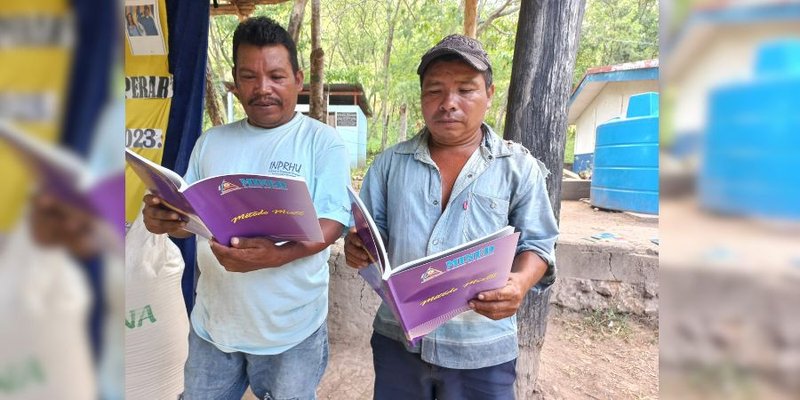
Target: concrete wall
594,276
731,318
591,276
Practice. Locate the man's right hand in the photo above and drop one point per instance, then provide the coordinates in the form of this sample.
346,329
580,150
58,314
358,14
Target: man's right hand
354,252
160,219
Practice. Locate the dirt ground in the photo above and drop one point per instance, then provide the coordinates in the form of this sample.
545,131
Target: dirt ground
635,232
599,355
585,356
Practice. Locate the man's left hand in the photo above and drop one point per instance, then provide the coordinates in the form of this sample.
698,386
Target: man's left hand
249,254
503,302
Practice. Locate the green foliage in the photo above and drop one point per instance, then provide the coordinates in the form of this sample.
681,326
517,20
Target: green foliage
569,151
354,40
615,32
354,36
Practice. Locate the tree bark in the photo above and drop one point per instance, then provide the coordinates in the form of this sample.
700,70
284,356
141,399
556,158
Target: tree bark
212,99
296,19
387,117
501,111
541,76
391,19
470,17
402,135
317,98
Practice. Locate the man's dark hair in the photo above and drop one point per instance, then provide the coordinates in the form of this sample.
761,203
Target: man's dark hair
487,75
262,31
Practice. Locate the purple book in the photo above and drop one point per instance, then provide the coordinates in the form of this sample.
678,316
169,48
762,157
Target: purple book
425,293
236,205
68,179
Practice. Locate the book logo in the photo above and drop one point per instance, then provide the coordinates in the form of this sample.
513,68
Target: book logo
227,187
430,274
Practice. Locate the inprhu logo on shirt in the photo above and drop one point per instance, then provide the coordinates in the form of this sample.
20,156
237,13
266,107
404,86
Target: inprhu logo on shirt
285,168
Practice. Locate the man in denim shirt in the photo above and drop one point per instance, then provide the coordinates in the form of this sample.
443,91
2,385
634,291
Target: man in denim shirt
456,181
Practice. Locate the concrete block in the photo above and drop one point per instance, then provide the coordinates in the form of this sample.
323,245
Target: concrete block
576,260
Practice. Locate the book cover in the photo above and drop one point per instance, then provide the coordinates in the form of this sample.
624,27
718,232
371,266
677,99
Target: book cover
69,179
425,293
235,205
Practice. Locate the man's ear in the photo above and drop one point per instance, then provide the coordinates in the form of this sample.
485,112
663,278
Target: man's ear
298,79
490,94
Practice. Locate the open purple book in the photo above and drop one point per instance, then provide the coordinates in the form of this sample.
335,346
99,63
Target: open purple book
69,180
425,293
235,205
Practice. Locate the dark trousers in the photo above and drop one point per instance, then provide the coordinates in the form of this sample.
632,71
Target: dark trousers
402,375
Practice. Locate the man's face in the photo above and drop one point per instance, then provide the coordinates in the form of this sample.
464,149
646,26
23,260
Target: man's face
266,85
454,100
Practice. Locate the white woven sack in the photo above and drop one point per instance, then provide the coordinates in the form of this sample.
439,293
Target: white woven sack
156,323
44,344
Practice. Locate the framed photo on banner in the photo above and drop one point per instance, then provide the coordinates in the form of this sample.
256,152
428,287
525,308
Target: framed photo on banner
143,28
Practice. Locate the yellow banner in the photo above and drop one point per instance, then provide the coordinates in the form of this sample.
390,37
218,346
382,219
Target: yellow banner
35,60
148,90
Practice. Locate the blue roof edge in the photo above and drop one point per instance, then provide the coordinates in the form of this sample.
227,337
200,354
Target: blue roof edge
641,74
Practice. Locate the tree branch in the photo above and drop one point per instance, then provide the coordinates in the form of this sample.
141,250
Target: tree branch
498,13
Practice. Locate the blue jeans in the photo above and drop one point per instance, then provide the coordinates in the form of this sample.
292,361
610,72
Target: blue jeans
294,374
400,374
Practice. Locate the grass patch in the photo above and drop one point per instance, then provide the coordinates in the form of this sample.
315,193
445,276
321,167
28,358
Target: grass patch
609,322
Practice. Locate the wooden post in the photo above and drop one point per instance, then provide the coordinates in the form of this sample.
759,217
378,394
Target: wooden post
541,77
317,98
470,18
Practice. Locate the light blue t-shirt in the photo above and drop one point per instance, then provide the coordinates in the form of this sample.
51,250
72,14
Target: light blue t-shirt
270,310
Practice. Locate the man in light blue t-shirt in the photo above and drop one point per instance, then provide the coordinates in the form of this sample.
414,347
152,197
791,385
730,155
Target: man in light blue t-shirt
259,315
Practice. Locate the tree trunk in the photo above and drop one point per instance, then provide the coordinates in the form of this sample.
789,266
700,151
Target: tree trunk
470,17
317,99
501,111
403,134
385,136
391,19
296,19
541,75
212,99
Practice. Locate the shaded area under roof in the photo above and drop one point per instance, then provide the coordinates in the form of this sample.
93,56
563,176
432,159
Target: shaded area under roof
340,94
242,8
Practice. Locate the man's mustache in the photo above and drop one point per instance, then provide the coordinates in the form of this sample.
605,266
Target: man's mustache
265,101
446,117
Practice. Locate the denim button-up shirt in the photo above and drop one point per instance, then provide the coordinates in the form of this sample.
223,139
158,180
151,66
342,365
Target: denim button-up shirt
501,184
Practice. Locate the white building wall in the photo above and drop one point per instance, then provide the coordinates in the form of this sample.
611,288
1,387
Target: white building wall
611,102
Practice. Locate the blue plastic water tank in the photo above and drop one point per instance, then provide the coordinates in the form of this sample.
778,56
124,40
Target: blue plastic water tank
752,143
625,176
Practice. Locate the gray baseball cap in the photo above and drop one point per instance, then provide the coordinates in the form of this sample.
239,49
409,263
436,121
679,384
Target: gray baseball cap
469,49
